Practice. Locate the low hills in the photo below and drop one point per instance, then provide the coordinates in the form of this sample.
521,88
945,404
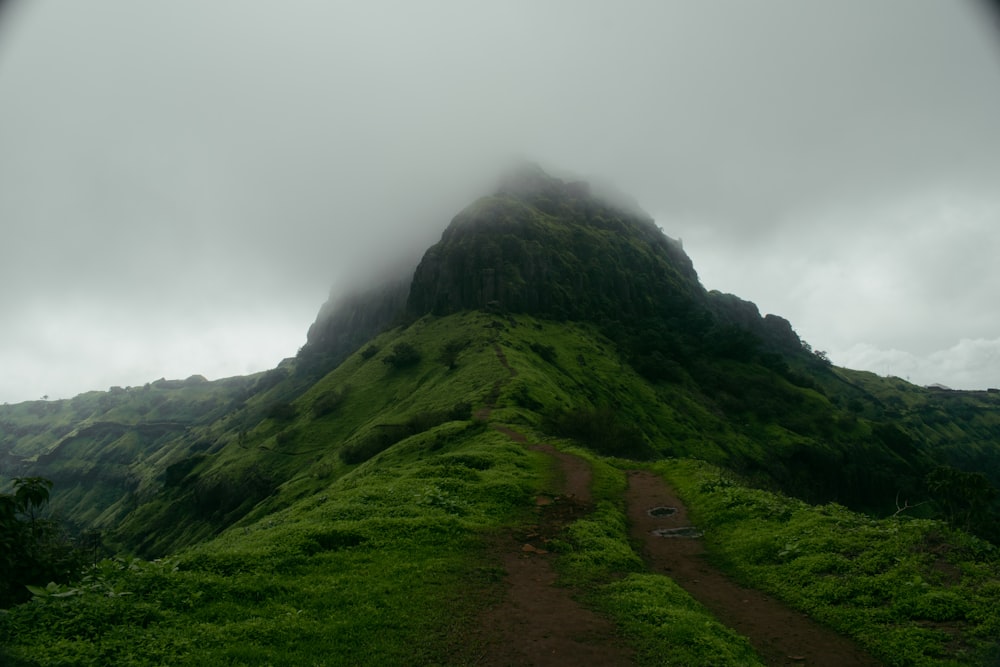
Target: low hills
346,495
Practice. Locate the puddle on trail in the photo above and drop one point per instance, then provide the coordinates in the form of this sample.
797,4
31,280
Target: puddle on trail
687,531
658,512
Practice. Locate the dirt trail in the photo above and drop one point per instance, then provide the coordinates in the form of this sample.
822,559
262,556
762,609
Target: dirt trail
483,413
537,622
780,635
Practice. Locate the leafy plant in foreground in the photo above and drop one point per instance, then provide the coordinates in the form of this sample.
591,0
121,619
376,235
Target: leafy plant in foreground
32,550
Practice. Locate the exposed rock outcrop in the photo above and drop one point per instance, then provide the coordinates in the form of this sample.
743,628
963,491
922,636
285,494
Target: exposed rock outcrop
347,322
550,248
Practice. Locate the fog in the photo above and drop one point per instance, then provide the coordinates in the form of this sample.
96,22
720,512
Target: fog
183,184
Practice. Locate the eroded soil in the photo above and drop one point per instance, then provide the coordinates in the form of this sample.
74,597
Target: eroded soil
538,622
780,635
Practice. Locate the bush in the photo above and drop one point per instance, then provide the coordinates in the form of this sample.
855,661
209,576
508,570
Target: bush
451,350
217,496
286,437
402,356
601,430
32,550
546,352
329,402
176,472
281,412
387,435
655,366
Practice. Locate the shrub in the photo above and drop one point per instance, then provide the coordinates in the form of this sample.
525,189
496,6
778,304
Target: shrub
382,439
32,549
286,437
523,397
655,366
402,356
281,412
329,402
546,352
386,435
602,430
176,472
451,350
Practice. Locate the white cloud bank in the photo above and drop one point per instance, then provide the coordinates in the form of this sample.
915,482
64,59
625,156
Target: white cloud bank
969,364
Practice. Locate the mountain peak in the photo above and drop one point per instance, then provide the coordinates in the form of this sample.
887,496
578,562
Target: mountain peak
562,250
548,247
528,180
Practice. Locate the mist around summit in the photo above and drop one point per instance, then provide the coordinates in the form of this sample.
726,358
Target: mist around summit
182,185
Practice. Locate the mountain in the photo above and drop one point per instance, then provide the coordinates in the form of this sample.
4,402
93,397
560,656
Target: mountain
547,309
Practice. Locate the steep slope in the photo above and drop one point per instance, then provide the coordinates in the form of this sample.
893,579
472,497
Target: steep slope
373,546
101,448
717,382
347,322
544,247
383,448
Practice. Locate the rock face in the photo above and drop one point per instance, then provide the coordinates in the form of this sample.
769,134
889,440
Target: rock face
346,323
775,331
550,248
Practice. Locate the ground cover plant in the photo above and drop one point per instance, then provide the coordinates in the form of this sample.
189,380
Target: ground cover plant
376,571
352,510
913,591
661,620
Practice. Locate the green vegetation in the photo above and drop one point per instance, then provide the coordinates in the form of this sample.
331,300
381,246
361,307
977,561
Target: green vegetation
914,591
602,430
106,451
402,355
272,530
655,614
31,548
376,570
336,509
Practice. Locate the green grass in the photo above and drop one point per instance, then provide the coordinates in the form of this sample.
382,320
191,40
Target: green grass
661,620
378,570
913,591
282,550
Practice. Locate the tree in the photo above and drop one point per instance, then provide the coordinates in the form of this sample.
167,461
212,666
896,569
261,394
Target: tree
964,497
32,550
31,494
402,355
450,351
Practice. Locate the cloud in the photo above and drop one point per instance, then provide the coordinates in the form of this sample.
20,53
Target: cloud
969,364
239,159
95,346
913,270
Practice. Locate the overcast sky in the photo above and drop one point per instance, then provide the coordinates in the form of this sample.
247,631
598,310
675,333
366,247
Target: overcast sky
182,183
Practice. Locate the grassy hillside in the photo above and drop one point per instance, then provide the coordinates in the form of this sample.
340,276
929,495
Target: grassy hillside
99,447
348,521
170,464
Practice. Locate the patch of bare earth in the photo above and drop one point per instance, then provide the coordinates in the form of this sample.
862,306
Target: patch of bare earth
537,622
779,634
